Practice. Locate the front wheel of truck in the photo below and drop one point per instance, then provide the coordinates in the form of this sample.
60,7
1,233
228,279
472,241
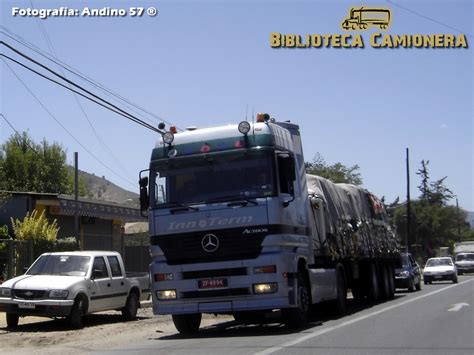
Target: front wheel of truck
298,317
12,320
187,324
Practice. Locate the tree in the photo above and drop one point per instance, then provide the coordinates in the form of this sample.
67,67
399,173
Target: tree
434,222
338,172
28,166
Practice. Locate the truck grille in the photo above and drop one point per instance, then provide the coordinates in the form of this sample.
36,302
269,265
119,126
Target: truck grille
199,274
29,294
186,248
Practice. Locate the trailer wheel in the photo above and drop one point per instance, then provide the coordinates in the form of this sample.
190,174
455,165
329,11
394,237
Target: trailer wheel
340,304
12,320
187,324
298,317
385,281
373,291
391,282
129,312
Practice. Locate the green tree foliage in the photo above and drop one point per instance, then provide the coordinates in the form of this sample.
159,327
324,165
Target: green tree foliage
28,166
434,223
338,172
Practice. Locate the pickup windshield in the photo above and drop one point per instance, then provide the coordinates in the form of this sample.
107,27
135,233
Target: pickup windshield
213,178
63,265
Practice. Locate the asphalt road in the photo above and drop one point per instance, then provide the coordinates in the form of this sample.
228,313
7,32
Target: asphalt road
439,319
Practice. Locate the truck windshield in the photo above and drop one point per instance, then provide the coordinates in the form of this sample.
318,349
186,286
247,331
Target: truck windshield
64,265
220,177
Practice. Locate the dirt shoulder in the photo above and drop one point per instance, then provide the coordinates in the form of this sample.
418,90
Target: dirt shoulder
102,331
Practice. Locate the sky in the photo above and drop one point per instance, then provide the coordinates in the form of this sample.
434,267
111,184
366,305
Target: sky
205,63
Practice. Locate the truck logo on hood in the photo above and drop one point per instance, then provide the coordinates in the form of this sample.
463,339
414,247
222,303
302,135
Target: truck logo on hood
210,243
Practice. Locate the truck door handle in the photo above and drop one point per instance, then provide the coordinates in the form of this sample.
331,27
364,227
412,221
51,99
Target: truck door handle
108,285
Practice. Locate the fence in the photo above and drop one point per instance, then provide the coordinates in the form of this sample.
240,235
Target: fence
15,257
137,253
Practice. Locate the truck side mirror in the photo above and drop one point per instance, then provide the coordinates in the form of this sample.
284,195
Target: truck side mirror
144,198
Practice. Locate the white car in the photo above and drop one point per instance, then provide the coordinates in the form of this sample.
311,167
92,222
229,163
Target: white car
438,269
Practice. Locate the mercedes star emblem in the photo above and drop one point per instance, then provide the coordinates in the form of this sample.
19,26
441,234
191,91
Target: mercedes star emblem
210,243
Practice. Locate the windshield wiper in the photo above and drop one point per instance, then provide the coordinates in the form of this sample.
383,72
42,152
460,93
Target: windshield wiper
180,207
231,199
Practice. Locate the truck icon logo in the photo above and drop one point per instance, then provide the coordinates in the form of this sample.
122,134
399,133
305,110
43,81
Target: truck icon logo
210,243
365,17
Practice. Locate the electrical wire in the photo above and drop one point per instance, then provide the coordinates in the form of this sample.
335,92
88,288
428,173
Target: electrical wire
18,134
124,113
76,72
65,129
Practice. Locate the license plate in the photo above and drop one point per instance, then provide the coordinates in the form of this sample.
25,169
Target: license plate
27,305
438,277
213,283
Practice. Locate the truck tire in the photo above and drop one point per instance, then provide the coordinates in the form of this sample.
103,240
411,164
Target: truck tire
373,290
129,312
297,317
391,279
340,304
187,324
77,311
12,320
385,282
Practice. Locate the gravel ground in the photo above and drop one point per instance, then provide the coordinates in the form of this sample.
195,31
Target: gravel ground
101,331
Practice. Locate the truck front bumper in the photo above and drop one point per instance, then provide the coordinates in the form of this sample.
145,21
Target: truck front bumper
40,308
238,295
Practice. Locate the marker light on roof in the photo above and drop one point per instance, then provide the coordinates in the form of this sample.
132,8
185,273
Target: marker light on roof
168,137
244,127
173,129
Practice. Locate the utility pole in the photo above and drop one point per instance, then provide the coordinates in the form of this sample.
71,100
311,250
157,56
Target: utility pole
459,226
76,197
408,201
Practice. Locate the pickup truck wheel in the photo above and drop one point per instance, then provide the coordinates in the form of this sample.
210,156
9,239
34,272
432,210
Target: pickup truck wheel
12,320
75,318
187,324
129,312
298,317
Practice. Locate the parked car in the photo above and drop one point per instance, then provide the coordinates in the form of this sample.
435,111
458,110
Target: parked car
71,285
409,275
465,262
438,269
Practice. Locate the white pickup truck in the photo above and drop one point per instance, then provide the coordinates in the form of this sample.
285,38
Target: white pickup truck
71,285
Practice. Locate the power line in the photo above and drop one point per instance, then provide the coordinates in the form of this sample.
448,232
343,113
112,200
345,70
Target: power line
124,113
428,18
65,129
78,102
76,72
64,86
18,133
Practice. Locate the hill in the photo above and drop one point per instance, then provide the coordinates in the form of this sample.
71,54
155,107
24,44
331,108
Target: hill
100,188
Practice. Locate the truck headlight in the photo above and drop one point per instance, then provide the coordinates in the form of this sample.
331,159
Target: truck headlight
265,288
58,293
5,292
166,294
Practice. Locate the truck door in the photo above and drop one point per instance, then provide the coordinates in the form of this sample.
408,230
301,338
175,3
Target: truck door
119,284
101,285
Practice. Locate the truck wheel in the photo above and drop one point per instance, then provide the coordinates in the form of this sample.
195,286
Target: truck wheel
374,292
340,304
75,318
298,317
187,324
385,281
391,282
12,320
129,312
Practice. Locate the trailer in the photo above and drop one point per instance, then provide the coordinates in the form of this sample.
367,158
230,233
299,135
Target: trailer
237,227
